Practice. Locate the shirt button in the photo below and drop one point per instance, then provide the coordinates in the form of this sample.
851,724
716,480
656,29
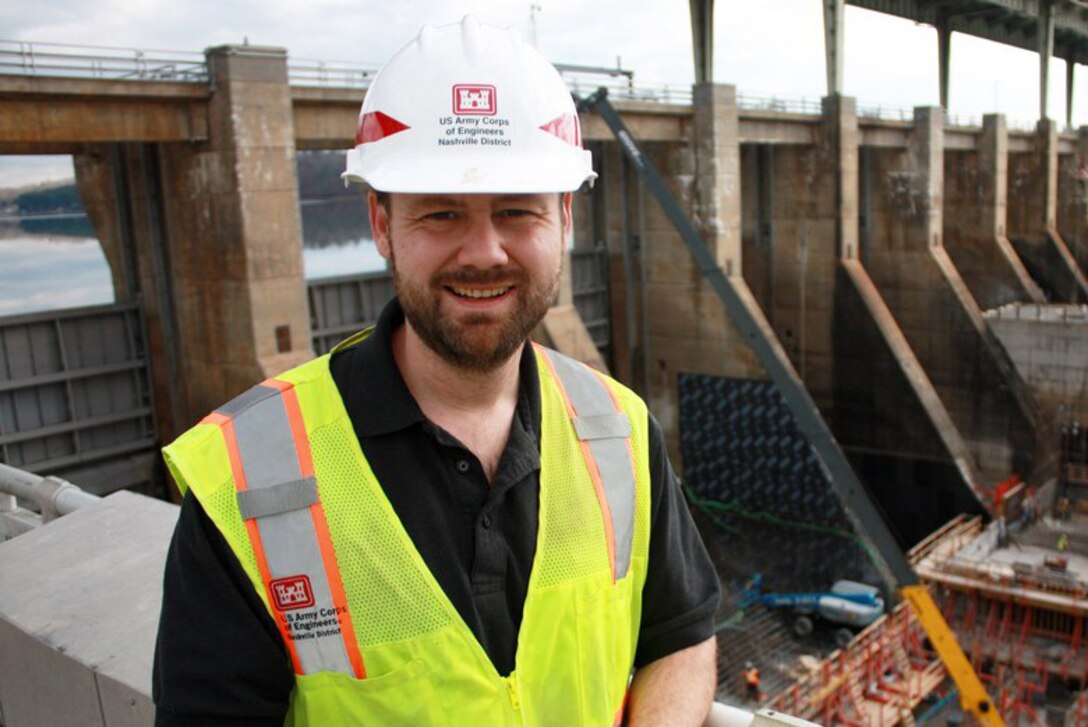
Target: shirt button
462,466
486,522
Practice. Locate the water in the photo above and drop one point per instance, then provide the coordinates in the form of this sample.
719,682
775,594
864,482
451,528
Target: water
55,261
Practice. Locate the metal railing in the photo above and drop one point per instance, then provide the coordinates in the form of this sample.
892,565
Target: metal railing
28,58
964,121
334,74
779,104
52,496
24,58
886,113
1047,313
580,79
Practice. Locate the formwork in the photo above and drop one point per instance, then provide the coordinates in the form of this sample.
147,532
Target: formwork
1017,604
878,680
1016,594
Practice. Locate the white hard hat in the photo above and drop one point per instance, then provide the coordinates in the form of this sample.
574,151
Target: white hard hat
469,108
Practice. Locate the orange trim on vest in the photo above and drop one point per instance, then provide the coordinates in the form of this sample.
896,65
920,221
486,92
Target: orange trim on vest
321,527
622,710
594,470
226,426
298,425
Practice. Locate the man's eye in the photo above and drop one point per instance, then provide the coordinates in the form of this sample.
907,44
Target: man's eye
440,216
515,213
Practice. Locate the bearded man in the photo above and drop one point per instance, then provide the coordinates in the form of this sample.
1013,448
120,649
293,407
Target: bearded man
441,523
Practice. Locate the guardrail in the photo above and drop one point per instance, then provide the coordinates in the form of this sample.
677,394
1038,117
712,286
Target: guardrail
334,74
24,58
91,61
1047,313
52,496
780,104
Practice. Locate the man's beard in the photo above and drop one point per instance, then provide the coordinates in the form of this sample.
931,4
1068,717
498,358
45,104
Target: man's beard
474,341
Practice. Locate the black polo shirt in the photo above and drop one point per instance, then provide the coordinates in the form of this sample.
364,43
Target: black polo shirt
219,657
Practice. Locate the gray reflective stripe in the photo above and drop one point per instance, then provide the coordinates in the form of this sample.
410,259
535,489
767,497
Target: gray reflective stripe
266,447
247,399
276,499
593,403
603,427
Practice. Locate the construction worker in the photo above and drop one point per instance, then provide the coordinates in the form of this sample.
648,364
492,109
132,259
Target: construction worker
440,523
751,680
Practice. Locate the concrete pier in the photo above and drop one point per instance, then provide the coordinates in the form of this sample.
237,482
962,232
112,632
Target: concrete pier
975,219
212,232
1033,218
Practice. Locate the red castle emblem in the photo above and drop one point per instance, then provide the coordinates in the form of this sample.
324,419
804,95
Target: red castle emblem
474,100
292,593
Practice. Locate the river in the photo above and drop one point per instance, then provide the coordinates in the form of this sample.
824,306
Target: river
55,261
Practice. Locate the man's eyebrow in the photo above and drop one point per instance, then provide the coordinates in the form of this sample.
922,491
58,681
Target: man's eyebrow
520,198
435,200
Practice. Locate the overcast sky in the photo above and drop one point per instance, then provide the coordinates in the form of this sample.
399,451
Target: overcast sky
765,47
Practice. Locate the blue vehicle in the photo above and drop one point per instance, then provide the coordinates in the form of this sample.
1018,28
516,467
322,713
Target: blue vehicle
848,605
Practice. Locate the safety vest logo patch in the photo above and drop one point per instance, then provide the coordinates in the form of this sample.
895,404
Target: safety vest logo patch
292,593
474,100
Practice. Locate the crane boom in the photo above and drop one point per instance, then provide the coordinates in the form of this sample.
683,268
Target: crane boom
752,324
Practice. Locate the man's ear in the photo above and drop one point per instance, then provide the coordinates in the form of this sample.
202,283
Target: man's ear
565,203
379,223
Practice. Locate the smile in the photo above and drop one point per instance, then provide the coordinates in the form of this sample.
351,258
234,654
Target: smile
479,294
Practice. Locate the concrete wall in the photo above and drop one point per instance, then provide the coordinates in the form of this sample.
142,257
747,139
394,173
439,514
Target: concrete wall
76,647
790,252
933,308
1050,347
688,328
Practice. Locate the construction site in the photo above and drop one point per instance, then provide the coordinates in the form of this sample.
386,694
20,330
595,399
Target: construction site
863,333
1013,590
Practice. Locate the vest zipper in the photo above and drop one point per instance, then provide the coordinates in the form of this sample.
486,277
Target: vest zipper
512,688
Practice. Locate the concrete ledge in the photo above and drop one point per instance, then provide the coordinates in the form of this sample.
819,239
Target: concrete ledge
79,610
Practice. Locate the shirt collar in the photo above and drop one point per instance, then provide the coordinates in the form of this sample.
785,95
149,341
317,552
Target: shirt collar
370,383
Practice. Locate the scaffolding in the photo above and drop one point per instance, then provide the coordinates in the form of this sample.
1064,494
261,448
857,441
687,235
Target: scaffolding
1019,617
1018,608
876,681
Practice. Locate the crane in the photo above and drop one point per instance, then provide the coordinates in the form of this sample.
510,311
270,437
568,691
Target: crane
758,333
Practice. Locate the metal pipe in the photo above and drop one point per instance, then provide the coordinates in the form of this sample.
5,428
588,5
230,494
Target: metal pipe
53,496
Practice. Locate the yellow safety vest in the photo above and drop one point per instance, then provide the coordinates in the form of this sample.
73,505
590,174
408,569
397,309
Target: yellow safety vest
373,638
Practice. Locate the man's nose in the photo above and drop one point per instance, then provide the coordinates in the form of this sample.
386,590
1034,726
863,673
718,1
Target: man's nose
484,246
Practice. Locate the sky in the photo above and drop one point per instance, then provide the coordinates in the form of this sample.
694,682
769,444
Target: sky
764,47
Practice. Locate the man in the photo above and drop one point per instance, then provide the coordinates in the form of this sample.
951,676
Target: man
751,681
441,523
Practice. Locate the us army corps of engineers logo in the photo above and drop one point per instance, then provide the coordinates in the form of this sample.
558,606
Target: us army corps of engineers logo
475,119
293,598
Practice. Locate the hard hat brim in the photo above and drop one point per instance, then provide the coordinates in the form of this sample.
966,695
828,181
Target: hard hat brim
565,169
